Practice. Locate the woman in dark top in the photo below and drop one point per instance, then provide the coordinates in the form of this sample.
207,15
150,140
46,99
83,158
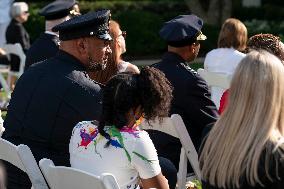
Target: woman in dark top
245,148
16,33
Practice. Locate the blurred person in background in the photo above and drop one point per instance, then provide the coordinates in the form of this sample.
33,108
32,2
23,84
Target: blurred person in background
115,62
245,148
5,18
16,33
231,43
47,44
268,42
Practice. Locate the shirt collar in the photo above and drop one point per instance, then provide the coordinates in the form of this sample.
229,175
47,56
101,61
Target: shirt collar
51,33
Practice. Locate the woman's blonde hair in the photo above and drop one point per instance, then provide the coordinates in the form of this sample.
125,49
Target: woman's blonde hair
233,34
113,59
252,123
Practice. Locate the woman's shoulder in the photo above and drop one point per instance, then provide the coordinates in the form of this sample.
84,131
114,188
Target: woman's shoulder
132,68
124,66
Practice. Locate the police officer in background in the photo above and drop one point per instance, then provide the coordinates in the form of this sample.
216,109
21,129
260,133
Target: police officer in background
191,96
54,95
47,44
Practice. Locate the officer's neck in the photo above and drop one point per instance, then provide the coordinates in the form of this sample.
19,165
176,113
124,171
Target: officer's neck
49,24
183,52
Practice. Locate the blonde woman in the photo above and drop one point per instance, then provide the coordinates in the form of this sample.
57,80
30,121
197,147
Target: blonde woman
115,62
231,43
245,147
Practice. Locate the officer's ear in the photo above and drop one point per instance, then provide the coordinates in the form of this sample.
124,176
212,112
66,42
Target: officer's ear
194,46
81,45
191,48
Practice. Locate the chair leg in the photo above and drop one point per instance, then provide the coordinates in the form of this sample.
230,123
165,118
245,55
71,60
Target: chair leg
182,170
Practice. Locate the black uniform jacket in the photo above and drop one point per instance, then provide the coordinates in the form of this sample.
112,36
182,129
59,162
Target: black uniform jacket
191,100
48,101
46,46
16,33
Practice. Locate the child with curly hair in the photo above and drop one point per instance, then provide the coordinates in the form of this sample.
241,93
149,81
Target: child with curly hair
116,145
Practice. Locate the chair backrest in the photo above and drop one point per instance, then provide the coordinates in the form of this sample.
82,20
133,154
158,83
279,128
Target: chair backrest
22,157
2,128
17,50
175,127
215,79
60,177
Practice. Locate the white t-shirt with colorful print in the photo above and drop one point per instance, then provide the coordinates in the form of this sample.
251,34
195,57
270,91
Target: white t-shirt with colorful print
131,154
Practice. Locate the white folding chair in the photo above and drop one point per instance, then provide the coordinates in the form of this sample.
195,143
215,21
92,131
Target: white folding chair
17,50
215,79
2,128
175,127
60,177
22,157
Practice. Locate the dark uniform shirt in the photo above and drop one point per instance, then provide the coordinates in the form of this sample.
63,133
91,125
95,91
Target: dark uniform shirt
16,33
191,100
46,46
49,99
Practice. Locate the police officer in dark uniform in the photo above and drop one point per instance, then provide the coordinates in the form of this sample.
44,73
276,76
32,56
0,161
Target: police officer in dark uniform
54,95
47,44
191,96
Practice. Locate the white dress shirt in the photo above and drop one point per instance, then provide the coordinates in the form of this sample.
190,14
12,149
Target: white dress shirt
222,60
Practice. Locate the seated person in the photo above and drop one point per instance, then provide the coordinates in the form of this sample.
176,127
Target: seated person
231,43
245,148
268,42
117,145
115,62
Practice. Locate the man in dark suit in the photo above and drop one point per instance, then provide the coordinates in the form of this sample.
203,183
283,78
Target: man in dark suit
51,97
47,44
191,96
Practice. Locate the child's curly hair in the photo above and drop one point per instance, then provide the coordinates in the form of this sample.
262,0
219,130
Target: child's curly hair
268,42
150,90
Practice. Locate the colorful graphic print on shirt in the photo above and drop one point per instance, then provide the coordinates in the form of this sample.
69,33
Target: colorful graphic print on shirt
92,135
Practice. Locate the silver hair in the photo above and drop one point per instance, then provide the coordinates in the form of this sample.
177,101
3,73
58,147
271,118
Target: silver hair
18,8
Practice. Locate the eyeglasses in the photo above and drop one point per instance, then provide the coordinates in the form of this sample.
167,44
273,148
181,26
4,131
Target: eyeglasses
123,34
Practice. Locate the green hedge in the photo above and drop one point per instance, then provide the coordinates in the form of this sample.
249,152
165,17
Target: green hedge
143,19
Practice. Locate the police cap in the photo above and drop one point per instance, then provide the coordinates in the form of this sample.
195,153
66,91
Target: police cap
86,25
57,9
182,30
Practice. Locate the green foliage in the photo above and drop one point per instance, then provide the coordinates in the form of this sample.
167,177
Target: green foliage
143,19
35,24
197,183
143,28
272,11
264,26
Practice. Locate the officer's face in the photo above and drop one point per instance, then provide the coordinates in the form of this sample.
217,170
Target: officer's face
193,50
97,52
120,41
